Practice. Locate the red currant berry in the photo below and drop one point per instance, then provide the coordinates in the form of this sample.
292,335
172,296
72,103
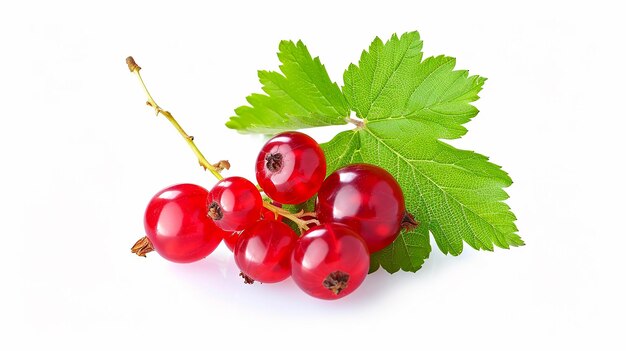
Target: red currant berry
291,167
234,203
177,226
230,239
329,261
263,251
366,198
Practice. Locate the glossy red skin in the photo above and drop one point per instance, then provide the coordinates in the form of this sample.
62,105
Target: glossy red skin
328,248
231,238
240,201
366,198
302,172
177,226
263,251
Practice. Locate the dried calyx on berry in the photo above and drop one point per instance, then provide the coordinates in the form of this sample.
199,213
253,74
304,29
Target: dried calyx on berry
408,221
246,279
274,162
215,211
336,281
142,247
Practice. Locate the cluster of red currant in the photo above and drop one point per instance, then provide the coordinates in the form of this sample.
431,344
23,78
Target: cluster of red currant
359,210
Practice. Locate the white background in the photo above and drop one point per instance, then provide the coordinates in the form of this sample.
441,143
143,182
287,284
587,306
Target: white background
81,155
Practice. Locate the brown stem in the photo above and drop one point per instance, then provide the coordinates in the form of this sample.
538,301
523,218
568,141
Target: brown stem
142,247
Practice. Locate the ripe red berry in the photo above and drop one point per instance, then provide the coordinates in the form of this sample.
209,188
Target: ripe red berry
330,261
263,251
234,203
231,238
177,226
291,167
366,198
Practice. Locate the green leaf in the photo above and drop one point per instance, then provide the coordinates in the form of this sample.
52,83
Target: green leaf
458,195
407,105
371,86
392,82
408,252
302,96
